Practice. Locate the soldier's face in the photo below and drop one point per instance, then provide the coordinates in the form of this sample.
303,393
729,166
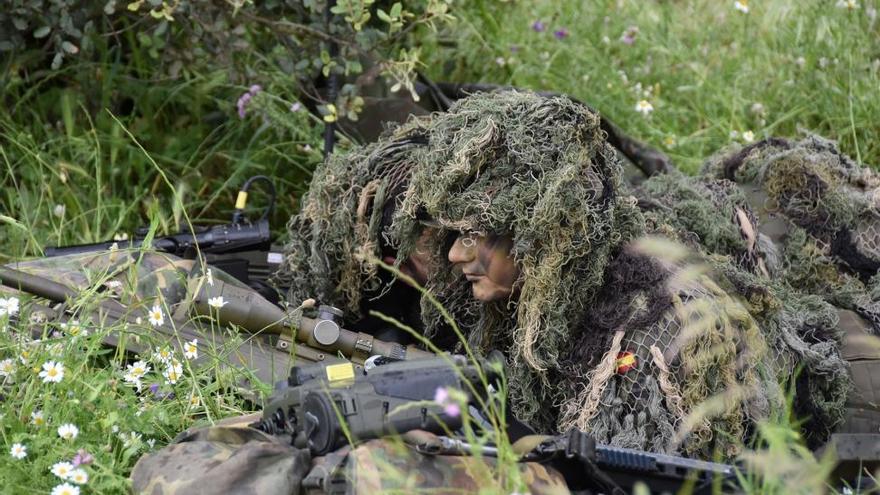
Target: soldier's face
486,262
416,265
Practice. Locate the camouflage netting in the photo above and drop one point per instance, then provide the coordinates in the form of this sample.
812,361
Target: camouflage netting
820,209
349,203
540,171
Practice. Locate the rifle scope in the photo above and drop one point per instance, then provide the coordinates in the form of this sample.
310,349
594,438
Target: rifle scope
249,310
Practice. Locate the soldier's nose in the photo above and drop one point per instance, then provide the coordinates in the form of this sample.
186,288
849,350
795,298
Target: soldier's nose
461,251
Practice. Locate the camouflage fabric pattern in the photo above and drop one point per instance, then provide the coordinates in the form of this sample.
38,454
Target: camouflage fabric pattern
130,275
134,277
222,459
232,458
386,466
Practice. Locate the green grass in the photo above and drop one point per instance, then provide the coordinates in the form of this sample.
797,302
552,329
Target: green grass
706,64
83,151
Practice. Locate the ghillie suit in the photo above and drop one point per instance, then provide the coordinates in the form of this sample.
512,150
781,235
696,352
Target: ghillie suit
340,230
713,216
818,213
601,336
820,209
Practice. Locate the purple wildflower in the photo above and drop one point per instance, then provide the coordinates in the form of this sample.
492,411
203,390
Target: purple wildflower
242,104
82,457
629,36
561,33
450,407
154,389
514,48
538,26
245,99
452,410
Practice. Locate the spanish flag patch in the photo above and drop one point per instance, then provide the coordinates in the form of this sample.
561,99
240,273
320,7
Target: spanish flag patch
625,361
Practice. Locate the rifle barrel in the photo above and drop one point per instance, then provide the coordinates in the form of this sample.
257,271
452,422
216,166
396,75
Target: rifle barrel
43,287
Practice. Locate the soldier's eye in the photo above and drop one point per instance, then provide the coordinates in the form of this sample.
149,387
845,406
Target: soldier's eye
468,239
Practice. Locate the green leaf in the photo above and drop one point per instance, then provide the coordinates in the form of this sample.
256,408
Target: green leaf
383,16
69,47
396,9
42,32
56,60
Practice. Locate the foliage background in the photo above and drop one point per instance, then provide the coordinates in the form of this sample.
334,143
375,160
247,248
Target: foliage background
120,114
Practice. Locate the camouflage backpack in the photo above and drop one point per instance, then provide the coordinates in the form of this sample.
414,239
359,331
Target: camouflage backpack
233,458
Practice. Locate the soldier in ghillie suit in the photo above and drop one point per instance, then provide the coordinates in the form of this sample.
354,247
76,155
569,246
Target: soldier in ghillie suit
818,211
340,231
538,230
817,223
713,216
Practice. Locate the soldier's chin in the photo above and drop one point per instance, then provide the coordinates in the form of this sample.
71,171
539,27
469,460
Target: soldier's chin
487,294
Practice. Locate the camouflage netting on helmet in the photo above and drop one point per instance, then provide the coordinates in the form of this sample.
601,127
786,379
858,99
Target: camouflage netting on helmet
540,171
822,211
713,216
342,220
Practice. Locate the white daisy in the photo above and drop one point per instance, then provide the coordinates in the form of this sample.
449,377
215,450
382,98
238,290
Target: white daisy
18,451
79,476
742,6
138,369
8,306
848,4
163,355
748,136
217,302
62,470
194,400
155,316
68,431
65,489
135,372
191,349
173,373
7,367
644,107
37,418
52,372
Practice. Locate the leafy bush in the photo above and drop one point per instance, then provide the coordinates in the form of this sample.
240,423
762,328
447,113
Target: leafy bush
307,40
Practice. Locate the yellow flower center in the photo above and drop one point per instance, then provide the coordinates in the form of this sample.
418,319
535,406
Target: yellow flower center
51,373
